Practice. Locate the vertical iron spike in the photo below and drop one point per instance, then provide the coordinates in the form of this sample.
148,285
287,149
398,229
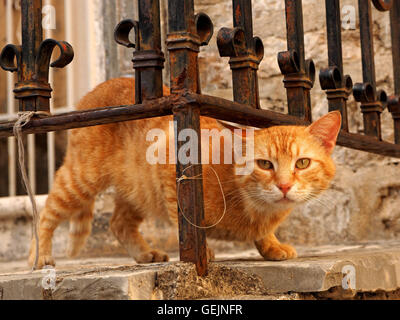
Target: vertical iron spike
184,43
243,18
32,37
245,51
393,101
372,104
295,29
334,34
121,36
338,87
298,84
149,59
395,27
367,42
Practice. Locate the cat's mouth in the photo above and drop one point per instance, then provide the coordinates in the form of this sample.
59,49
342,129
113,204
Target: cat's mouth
285,200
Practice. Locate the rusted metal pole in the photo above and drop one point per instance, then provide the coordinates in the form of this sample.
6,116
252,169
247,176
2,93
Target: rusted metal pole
149,59
395,27
393,101
372,102
244,71
245,52
183,42
338,87
32,37
299,74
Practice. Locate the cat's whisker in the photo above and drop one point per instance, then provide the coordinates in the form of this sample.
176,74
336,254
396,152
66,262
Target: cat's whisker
315,201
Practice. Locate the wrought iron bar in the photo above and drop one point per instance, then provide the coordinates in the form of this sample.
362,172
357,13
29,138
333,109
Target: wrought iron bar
245,51
393,101
338,87
186,33
121,35
148,59
372,102
299,74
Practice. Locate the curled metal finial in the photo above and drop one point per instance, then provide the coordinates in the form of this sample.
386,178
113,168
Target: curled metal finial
330,78
289,62
33,89
204,28
310,70
44,56
348,83
122,32
372,105
258,48
382,98
383,5
8,55
231,42
338,89
369,98
364,92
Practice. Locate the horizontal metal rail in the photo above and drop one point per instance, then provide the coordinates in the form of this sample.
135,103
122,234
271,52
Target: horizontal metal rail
212,107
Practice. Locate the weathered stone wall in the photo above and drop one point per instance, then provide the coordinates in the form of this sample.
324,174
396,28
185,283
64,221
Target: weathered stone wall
363,202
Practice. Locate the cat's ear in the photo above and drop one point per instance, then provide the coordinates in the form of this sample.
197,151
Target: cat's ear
327,129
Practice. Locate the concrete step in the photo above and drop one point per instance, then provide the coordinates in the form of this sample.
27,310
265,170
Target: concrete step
361,271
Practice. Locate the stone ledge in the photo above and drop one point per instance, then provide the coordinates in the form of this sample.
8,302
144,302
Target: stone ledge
316,274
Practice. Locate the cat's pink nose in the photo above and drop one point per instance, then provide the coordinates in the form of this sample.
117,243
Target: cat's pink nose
285,187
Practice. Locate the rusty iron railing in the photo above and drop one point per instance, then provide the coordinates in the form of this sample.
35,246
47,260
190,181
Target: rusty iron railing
187,32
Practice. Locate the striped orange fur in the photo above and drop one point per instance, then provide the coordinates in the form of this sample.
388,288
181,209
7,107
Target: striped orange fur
114,155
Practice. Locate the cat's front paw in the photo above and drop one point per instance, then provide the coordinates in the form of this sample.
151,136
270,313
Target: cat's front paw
42,261
279,252
152,257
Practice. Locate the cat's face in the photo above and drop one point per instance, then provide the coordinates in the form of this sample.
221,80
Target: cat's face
292,164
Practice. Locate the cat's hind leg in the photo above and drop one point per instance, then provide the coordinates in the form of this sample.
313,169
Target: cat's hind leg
71,197
125,224
80,227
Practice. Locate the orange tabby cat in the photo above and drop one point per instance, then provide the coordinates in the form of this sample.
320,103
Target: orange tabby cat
292,164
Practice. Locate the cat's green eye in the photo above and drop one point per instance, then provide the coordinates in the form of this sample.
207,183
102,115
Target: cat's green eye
265,164
303,163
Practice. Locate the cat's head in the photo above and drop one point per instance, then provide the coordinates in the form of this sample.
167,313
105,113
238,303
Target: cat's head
292,164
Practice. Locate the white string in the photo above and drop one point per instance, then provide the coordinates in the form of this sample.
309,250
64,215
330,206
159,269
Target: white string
23,119
183,178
